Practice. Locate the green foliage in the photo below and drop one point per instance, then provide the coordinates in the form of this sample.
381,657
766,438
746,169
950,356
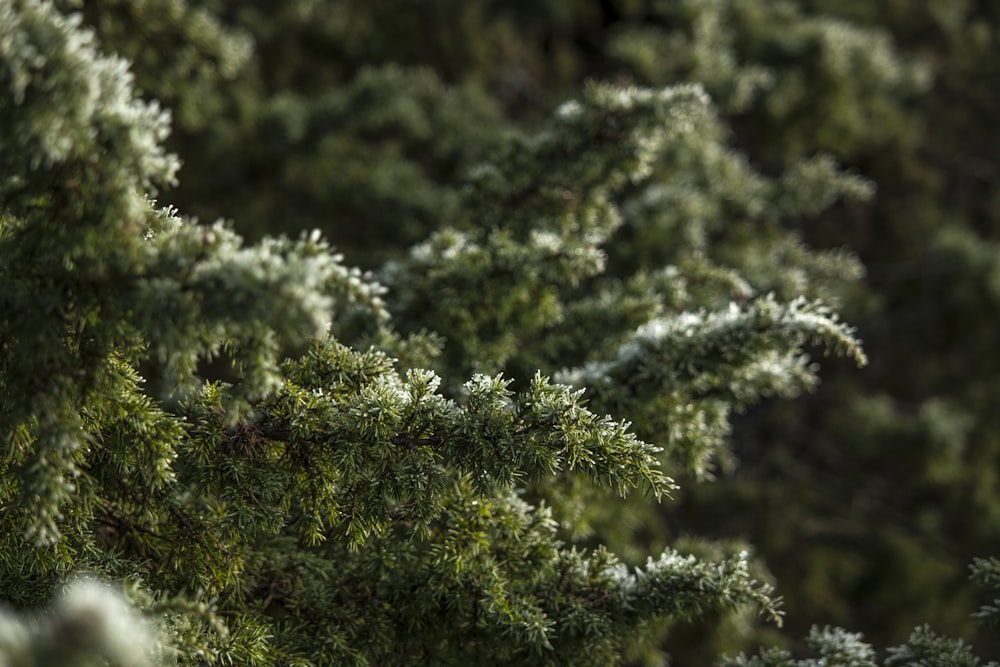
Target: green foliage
201,490
295,462
835,647
681,376
986,574
773,59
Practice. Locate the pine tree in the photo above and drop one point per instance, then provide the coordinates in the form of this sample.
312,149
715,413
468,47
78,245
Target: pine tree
913,445
254,454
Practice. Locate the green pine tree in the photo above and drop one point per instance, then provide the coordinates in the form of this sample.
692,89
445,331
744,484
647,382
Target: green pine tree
221,452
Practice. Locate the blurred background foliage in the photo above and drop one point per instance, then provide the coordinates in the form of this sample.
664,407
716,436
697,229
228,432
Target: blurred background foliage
867,499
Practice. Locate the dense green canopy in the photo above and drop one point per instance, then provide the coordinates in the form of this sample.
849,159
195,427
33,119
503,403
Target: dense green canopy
542,421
